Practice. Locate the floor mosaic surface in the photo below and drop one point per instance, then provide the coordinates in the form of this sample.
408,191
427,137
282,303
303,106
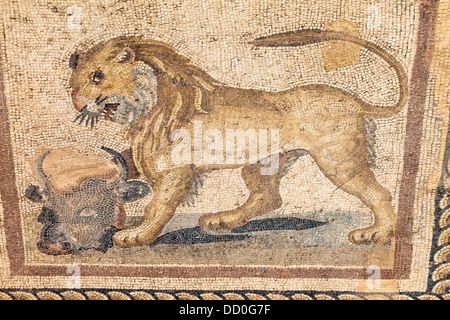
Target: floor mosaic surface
224,149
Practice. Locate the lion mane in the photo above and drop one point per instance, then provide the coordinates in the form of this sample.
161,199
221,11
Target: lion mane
181,88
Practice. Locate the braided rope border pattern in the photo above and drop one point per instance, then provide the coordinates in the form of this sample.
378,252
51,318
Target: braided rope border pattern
439,278
47,294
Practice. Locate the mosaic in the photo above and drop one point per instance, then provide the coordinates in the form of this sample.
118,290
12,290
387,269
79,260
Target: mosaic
224,149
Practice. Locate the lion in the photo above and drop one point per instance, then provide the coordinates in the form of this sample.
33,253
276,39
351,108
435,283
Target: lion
147,85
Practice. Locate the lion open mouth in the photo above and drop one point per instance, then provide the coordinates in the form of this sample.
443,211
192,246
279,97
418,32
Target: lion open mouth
91,118
109,110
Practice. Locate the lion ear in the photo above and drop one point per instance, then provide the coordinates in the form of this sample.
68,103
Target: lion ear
77,58
127,55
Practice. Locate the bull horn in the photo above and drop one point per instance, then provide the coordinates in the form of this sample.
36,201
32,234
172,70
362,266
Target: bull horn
121,160
39,167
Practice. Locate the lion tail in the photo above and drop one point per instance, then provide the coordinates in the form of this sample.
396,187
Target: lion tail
310,36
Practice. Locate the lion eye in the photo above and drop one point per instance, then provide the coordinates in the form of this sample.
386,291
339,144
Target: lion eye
97,77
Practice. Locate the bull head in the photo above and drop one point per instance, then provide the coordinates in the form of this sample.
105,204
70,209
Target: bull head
86,214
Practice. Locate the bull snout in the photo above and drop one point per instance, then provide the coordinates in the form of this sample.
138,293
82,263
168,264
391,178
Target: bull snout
91,229
53,240
54,247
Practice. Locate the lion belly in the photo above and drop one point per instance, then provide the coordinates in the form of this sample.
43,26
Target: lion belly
269,122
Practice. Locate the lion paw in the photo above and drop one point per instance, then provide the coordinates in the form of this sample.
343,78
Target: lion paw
219,222
373,234
133,237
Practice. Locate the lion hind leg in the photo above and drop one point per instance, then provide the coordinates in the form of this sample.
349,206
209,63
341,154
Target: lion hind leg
264,198
345,164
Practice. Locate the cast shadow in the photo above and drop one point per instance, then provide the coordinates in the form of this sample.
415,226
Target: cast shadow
196,235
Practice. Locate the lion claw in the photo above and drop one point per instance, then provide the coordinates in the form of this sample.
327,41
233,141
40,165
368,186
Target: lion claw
371,235
133,237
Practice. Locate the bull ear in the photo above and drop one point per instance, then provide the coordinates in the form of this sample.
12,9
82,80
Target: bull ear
34,194
133,190
126,55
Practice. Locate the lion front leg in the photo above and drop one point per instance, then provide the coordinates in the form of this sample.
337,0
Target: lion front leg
170,189
264,197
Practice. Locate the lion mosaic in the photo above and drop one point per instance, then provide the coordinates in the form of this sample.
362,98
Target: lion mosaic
146,84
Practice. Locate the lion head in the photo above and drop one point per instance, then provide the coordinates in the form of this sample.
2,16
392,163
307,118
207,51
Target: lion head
108,81
127,79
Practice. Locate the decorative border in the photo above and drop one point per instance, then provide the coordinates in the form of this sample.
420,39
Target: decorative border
104,294
439,277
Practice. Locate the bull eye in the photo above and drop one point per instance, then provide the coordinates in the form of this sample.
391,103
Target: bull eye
88,212
97,77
